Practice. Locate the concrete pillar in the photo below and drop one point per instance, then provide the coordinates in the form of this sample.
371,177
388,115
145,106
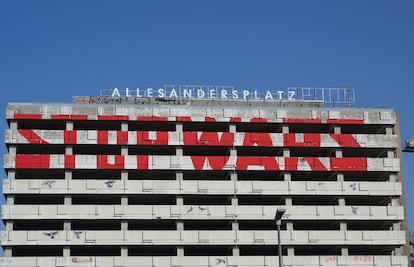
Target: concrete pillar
344,252
9,226
68,150
124,176
124,226
8,252
69,125
179,151
341,201
392,178
179,127
338,153
234,201
12,150
10,200
11,174
180,225
389,130
124,200
287,177
340,177
124,150
235,226
395,202
180,252
337,129
236,251
124,252
232,128
67,226
66,252
13,126
180,200
289,226
396,226
233,152
286,152
343,226
288,201
390,154
398,251
68,200
124,126
285,129
291,251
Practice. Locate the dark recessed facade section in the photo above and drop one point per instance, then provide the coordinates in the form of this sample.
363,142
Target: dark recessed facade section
313,176
311,152
151,150
206,151
259,225
368,200
93,225
260,200
101,125
214,225
48,174
98,175
316,225
200,250
199,201
317,250
310,128
259,151
152,199
151,175
207,175
315,200
153,250
367,176
96,199
371,250
40,149
205,127
96,150
259,127
156,225
37,251
261,250
363,128
151,126
37,199
369,225
36,225
95,251
41,124
260,175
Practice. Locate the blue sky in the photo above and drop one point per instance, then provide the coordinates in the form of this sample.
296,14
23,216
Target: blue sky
53,50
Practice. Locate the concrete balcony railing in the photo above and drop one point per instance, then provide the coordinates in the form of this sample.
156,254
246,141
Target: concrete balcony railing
206,261
284,188
200,212
194,237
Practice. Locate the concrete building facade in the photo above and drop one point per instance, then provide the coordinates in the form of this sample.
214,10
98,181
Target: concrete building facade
197,183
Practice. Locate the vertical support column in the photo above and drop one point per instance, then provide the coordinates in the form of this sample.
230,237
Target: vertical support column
8,252
180,226
124,198
66,251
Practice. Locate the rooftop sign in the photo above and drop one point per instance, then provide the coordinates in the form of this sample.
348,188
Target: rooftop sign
210,92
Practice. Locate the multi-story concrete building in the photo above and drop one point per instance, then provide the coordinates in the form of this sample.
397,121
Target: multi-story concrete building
197,183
